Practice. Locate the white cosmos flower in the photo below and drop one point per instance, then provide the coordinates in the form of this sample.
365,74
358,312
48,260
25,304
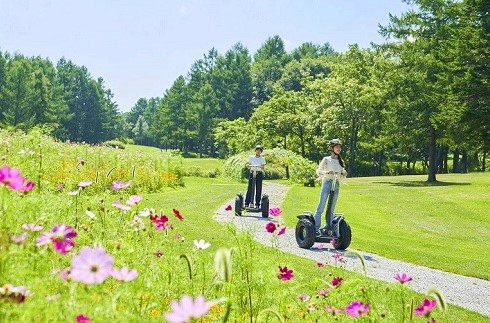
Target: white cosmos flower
90,214
201,244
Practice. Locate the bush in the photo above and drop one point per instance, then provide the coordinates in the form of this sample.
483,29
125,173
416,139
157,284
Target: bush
114,144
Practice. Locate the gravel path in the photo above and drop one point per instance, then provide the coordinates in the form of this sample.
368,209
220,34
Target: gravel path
468,292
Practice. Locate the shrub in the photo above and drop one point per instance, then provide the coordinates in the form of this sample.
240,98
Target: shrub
114,144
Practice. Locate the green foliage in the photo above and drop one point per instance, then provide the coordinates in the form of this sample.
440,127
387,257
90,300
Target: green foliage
247,290
114,144
50,163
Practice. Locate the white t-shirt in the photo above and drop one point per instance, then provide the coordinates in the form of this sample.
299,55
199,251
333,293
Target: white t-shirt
329,164
255,162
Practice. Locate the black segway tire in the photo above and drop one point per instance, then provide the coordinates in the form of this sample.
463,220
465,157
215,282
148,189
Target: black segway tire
264,205
305,233
238,205
343,242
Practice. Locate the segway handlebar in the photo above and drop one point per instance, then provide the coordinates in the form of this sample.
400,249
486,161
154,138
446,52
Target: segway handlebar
255,168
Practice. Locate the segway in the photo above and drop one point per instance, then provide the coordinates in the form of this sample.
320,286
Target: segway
336,228
264,201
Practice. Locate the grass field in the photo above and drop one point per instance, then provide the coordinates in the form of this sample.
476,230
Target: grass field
246,289
445,225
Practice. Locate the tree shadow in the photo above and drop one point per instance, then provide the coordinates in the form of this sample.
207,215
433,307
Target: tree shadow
424,183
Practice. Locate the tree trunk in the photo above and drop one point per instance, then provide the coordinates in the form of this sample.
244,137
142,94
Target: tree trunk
445,168
484,164
432,155
456,161
464,162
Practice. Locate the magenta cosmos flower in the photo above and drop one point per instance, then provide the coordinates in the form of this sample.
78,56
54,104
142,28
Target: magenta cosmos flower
91,266
81,318
285,273
187,309
61,237
336,281
357,308
270,227
403,278
228,208
178,215
117,185
282,231
275,211
124,274
425,307
13,179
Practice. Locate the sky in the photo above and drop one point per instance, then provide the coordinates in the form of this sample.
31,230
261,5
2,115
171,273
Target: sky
140,47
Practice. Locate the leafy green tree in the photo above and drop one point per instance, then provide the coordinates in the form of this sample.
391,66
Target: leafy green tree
18,94
267,68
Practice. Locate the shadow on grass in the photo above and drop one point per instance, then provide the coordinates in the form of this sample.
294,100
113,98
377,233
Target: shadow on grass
424,183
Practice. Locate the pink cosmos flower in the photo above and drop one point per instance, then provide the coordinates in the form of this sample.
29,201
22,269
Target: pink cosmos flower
82,162
303,297
187,309
32,227
121,206
339,257
322,293
403,278
282,231
177,236
177,214
60,186
81,318
320,264
19,238
13,179
275,211
270,227
285,273
84,184
333,241
91,266
160,221
425,307
124,274
9,292
61,237
65,273
158,253
319,246
134,199
228,208
357,308
117,185
332,310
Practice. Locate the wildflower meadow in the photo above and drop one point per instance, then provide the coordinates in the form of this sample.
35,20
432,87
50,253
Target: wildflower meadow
96,234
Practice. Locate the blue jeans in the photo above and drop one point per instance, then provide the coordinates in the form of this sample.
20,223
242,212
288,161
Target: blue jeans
324,193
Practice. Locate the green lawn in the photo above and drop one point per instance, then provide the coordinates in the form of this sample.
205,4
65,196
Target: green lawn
444,226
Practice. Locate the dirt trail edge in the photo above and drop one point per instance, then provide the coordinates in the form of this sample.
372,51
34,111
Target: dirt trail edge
468,292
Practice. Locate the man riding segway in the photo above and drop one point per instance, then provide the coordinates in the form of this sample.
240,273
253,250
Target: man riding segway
255,165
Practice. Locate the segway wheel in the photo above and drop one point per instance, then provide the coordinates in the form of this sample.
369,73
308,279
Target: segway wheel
238,205
264,205
343,242
305,233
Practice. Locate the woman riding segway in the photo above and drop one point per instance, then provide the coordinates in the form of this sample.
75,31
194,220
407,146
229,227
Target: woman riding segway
328,167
